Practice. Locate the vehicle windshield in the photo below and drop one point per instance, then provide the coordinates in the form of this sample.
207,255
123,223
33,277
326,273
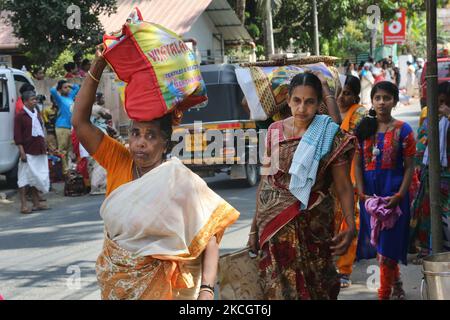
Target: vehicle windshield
4,106
444,69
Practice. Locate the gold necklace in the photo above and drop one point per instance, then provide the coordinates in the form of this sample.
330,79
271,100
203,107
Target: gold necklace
138,174
293,127
292,130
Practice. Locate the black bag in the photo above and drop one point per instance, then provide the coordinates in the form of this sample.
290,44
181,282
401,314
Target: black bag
74,184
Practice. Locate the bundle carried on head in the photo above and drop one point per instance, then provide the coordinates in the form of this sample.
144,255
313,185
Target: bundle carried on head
161,73
278,62
266,84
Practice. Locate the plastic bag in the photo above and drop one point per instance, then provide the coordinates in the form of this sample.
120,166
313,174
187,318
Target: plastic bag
160,71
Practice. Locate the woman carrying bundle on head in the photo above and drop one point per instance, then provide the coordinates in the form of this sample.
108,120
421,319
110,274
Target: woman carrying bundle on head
162,222
294,222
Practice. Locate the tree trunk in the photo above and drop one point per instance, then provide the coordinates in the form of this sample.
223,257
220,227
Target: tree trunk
316,29
268,28
240,10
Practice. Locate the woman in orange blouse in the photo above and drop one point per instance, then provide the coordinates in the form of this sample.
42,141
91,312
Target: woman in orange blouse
162,222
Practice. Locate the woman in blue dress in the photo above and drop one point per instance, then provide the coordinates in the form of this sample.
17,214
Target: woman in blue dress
384,168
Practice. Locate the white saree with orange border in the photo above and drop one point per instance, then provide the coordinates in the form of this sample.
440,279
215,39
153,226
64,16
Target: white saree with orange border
156,229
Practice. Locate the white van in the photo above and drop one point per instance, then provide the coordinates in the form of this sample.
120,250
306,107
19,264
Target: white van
10,82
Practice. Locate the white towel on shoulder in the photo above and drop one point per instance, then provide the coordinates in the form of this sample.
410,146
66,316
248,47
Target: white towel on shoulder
36,129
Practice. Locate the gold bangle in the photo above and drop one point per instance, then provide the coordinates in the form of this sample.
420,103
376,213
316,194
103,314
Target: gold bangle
254,232
93,78
207,290
328,96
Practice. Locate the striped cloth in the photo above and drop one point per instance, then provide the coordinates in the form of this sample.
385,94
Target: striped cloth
314,145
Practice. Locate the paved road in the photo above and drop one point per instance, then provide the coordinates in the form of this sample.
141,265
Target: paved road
42,255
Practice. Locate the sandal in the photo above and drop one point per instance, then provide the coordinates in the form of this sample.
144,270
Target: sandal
398,293
40,208
25,210
345,281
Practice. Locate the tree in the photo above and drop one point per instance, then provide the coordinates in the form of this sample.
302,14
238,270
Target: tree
294,20
353,40
43,25
240,10
267,9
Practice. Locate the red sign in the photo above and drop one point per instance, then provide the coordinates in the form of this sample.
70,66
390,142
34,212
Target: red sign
395,31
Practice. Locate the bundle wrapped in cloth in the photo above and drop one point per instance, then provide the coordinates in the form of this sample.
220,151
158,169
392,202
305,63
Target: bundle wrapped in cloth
265,86
160,71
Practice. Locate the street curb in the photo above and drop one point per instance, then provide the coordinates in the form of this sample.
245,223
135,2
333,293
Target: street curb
8,193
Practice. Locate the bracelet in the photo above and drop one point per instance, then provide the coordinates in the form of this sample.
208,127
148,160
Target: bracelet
93,78
329,96
207,286
207,290
253,232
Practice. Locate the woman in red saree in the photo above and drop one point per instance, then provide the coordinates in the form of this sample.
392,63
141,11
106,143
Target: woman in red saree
296,238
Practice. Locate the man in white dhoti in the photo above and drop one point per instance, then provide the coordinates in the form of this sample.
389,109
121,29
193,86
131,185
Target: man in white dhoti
33,163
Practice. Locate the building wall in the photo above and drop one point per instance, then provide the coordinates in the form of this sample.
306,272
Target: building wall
14,59
444,16
107,86
202,30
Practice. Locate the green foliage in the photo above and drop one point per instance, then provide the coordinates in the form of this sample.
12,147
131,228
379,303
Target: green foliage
353,40
389,7
294,20
253,30
42,24
342,24
56,69
259,51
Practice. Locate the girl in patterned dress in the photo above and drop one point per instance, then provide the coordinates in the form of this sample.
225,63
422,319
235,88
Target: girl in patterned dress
384,158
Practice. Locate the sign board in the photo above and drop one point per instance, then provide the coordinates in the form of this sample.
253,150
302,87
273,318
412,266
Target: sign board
395,31
362,57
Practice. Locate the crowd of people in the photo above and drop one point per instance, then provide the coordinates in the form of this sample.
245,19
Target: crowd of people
49,148
387,216
348,184
371,72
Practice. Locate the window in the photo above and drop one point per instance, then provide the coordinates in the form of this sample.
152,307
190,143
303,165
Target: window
444,69
19,81
4,98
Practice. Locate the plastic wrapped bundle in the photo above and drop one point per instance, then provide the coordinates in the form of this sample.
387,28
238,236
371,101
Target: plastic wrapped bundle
161,73
265,87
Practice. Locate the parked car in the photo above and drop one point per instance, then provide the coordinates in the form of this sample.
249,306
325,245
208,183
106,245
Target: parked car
443,75
10,82
222,113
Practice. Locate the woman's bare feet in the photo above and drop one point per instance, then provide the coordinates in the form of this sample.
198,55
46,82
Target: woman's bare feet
25,210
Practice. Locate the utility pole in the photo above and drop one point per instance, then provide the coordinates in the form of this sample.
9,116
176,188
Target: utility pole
269,30
316,29
373,41
433,129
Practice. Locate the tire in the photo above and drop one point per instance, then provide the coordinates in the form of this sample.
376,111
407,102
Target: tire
252,175
11,177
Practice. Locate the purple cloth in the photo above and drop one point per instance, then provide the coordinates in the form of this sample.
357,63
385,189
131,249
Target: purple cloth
380,217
